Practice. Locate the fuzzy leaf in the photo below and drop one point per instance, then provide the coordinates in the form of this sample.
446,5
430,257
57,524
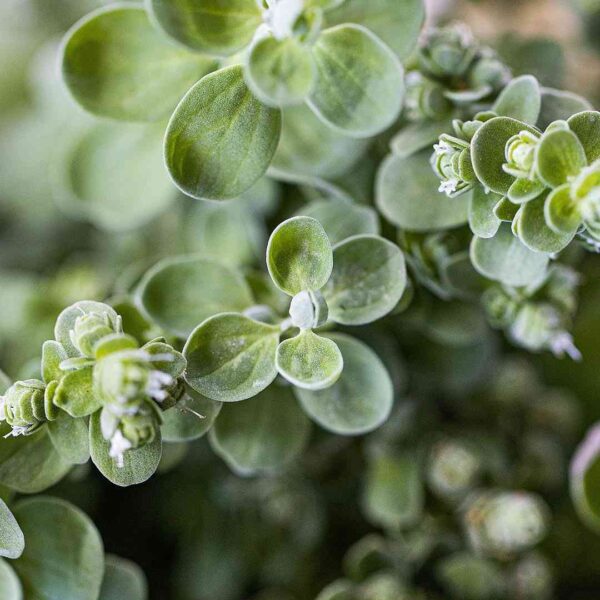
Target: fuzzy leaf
117,65
309,361
506,259
359,86
487,152
398,24
414,137
407,195
536,234
70,438
231,357
524,190
220,139
559,104
264,433
586,126
12,541
63,557
179,293
561,212
280,72
10,586
52,355
139,464
75,393
360,400
299,256
521,99
559,156
190,419
367,282
210,26
482,219
123,580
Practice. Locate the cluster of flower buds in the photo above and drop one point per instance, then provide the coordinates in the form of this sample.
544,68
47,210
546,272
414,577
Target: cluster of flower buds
453,70
92,365
537,317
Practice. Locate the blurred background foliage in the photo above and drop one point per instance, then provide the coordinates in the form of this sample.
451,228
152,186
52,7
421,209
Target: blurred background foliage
82,215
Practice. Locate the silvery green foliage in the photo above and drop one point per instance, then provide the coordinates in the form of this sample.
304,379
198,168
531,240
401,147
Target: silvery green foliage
93,369
281,53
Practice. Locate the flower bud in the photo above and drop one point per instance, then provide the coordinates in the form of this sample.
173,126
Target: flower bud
23,406
501,307
89,329
424,98
453,469
520,155
451,162
489,71
308,310
501,524
448,51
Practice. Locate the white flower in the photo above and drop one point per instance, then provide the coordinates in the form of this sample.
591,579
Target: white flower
119,444
281,17
156,384
562,343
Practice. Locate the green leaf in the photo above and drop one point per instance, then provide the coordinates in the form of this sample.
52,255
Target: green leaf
66,321
30,464
220,139
117,65
407,195
482,220
139,463
309,361
190,419
280,72
414,137
75,393
179,293
359,87
559,104
471,577
521,99
398,24
299,256
360,400
559,156
264,433
123,580
561,211
52,355
63,557
113,175
534,232
487,151
5,382
367,282
394,495
12,541
211,26
308,148
173,367
506,210
70,437
342,220
506,259
585,478
586,126
524,190
231,357
10,586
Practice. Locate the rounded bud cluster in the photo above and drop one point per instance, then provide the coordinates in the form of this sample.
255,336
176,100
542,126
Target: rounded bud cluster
501,524
89,329
489,71
424,98
448,51
23,406
308,310
520,155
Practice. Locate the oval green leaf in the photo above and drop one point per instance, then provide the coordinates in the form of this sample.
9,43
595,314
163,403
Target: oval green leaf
558,157
487,151
360,400
561,211
299,255
521,99
560,105
367,282
139,464
309,361
123,580
220,139
12,541
117,65
407,195
10,586
265,433
179,293
70,437
482,219
231,357
190,419
211,26
586,126
280,72
359,87
63,557
506,259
